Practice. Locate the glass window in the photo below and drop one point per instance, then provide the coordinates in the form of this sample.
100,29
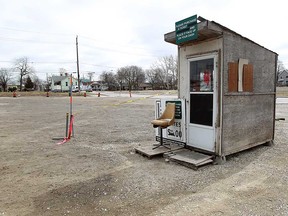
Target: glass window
201,75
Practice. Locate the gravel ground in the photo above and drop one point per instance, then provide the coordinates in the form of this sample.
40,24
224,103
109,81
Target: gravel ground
97,172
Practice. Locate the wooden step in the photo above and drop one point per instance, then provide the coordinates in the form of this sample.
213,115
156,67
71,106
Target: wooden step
149,152
190,158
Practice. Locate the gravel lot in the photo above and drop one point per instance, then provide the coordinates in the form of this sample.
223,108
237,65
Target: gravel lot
97,172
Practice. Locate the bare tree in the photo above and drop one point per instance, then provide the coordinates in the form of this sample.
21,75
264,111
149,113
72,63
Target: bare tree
109,79
37,83
5,77
280,68
21,64
153,77
120,78
167,65
140,78
47,83
131,75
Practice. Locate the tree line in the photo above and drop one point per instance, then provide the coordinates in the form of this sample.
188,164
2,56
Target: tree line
25,72
162,74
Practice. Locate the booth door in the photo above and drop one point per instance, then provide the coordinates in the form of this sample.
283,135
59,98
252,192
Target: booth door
202,103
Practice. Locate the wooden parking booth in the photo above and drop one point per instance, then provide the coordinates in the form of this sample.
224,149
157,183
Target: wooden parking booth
229,85
226,87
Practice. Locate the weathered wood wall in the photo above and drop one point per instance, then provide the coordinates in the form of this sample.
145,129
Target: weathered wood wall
248,118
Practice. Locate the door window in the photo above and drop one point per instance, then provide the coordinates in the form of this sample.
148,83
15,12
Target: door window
201,92
201,75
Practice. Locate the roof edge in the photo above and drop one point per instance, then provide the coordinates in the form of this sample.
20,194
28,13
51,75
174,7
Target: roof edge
170,37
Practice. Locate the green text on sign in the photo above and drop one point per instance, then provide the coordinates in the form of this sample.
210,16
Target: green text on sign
186,29
178,109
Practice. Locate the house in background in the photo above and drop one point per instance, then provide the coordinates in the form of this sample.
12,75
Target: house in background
99,86
283,78
62,83
85,85
145,86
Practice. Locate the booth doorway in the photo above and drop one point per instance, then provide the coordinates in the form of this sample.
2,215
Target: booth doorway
202,103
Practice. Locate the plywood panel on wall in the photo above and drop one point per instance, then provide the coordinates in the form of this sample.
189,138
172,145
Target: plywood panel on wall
248,78
233,77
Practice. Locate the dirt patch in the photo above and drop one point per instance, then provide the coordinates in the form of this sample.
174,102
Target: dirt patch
97,172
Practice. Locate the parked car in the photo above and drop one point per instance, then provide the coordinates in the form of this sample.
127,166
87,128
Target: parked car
75,89
86,88
89,89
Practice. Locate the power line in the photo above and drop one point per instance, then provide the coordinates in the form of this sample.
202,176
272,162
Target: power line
91,46
81,45
119,51
121,45
34,41
74,62
65,34
99,65
37,32
35,62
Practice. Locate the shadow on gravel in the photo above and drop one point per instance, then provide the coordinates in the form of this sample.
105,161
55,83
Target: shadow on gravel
106,195
84,198
100,196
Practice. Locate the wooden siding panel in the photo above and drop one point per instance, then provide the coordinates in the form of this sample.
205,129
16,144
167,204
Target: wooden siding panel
233,77
248,78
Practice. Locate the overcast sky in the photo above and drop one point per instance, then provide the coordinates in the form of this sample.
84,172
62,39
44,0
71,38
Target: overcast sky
116,33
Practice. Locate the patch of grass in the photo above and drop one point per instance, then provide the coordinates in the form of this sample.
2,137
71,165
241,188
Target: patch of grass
39,93
282,92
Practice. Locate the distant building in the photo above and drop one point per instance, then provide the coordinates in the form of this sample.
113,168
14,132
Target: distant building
283,78
99,86
85,85
145,86
62,83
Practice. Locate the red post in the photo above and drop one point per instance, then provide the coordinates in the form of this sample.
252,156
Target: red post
14,94
84,94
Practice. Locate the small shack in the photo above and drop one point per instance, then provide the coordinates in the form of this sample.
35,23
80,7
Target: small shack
227,84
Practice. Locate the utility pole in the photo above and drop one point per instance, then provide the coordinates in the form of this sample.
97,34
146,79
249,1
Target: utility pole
78,64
